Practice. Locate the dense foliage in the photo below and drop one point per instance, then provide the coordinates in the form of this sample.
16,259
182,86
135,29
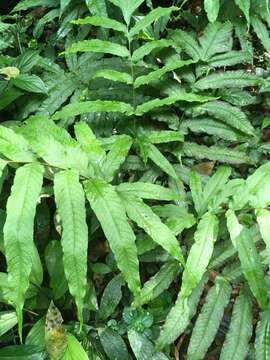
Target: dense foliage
135,181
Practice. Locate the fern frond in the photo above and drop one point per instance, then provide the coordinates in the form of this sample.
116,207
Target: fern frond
200,253
262,342
98,46
183,309
249,258
240,331
157,283
228,79
209,319
102,21
143,215
216,38
70,201
227,113
110,212
18,232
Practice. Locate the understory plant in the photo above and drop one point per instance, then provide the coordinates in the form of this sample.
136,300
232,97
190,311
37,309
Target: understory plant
134,178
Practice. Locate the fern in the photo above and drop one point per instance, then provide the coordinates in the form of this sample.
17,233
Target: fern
70,201
237,339
18,233
209,319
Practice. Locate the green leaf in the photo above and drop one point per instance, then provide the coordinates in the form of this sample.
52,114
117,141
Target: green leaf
237,339
212,9
217,153
97,7
147,48
244,5
262,342
156,103
74,350
54,262
263,219
215,185
184,40
200,253
113,75
110,212
22,352
212,127
195,184
157,74
89,143
157,283
116,156
8,320
79,108
128,7
227,113
261,31
249,258
98,46
102,21
152,16
208,321
111,297
14,146
55,145
113,344
164,136
18,232
229,58
236,79
183,309
216,38
70,201
161,161
30,83
143,215
36,335
148,191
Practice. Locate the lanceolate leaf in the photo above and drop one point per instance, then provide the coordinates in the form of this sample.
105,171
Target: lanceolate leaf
110,212
70,203
209,319
262,342
244,5
249,258
261,31
148,191
157,74
8,320
216,38
105,22
154,15
79,108
13,146
156,103
218,153
200,253
18,232
231,115
227,79
114,76
158,283
147,48
128,7
212,9
161,161
183,309
184,40
263,218
240,331
195,184
143,215
99,46
116,156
